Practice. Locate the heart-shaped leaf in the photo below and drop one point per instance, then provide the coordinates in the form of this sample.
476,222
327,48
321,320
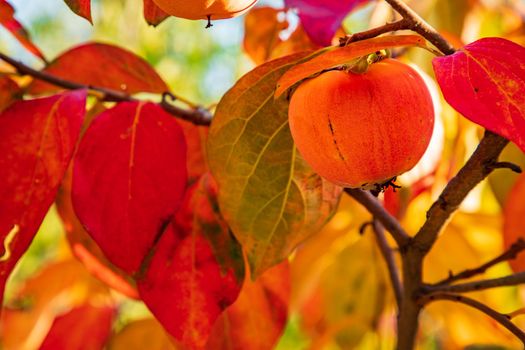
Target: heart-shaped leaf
37,139
343,55
485,82
129,178
102,65
269,196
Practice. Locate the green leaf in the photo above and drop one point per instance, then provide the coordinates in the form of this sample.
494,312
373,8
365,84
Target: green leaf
269,196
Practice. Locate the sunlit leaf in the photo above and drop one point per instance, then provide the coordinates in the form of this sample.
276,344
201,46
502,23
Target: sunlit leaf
269,196
8,21
81,8
129,178
153,14
84,327
485,82
102,65
58,287
257,318
37,139
140,335
261,33
343,55
9,92
322,18
297,42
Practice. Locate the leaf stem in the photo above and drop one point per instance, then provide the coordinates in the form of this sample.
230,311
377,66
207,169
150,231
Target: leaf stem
198,115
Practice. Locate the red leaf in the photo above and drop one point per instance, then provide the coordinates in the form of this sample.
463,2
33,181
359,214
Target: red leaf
334,57
322,18
9,92
105,66
485,82
84,247
257,319
81,8
37,139
153,14
85,327
129,178
196,137
196,272
11,24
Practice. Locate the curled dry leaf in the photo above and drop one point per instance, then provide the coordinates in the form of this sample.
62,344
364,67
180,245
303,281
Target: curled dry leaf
25,196
269,196
102,65
129,179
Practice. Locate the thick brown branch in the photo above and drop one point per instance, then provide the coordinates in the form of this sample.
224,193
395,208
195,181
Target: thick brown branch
418,25
509,254
511,280
199,116
388,221
388,256
477,168
502,319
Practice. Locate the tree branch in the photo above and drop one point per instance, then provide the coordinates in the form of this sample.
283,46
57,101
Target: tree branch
199,116
388,255
372,33
502,319
418,25
477,168
375,208
509,254
511,280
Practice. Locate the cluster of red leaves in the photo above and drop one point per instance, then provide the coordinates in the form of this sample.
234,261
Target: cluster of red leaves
132,183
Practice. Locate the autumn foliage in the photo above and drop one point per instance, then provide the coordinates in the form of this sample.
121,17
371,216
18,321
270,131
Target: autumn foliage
329,196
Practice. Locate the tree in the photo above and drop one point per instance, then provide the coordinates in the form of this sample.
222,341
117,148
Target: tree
213,219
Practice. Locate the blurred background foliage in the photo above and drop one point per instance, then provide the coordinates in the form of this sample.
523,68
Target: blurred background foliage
341,298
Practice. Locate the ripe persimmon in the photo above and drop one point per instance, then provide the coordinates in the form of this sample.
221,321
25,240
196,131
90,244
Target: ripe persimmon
205,9
362,130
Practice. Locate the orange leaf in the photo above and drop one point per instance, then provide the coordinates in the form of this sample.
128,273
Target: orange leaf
102,65
140,335
342,55
513,228
81,8
261,33
9,92
153,14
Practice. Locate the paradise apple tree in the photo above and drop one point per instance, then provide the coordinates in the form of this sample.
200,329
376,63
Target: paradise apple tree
343,190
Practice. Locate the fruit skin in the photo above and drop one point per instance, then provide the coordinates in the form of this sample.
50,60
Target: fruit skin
201,9
359,130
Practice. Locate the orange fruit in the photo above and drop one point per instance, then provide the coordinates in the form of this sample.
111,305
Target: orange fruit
205,9
362,130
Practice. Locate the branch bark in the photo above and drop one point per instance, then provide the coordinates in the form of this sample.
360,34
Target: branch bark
388,256
511,280
198,116
502,319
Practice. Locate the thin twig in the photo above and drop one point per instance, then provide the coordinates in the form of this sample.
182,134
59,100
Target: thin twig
388,256
389,222
372,33
472,173
502,319
199,116
509,254
511,280
506,165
